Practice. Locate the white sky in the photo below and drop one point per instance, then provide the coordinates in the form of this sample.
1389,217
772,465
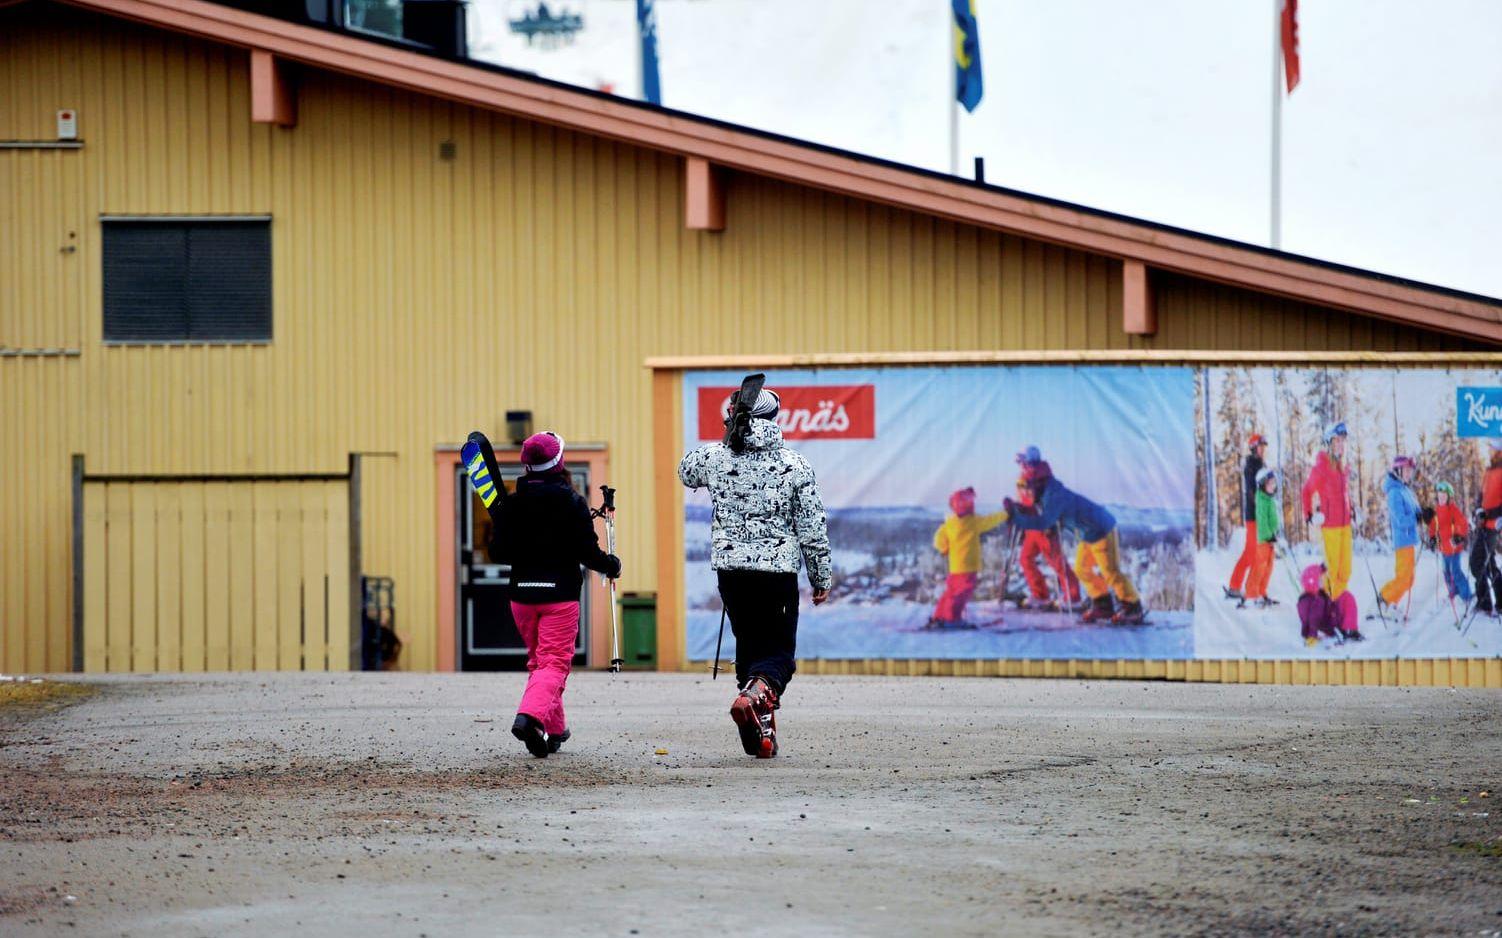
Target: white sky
1158,109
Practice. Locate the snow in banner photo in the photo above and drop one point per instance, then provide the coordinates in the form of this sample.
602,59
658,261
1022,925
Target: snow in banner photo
922,568
1342,517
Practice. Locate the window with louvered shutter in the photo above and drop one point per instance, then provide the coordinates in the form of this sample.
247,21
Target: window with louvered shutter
187,280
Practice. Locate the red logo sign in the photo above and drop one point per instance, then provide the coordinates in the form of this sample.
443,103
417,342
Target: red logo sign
820,412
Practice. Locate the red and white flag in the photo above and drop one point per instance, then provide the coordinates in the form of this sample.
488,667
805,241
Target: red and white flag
1290,31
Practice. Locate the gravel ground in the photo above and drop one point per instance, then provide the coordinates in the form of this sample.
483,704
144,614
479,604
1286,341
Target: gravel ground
399,804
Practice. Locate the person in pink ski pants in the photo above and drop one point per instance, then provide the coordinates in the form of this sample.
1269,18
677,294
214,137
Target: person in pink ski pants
545,533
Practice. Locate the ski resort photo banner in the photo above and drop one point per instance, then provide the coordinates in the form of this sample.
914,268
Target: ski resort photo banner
1158,553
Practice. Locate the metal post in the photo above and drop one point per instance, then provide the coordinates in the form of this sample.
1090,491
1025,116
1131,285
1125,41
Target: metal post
1275,232
954,127
78,548
356,594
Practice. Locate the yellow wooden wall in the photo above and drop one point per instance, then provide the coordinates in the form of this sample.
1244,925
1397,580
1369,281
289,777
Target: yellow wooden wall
216,576
417,298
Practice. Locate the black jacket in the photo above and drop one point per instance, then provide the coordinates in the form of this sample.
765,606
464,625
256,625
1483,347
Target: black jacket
545,534
1249,487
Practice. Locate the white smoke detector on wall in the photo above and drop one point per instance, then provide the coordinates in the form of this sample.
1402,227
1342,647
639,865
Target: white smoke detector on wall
67,124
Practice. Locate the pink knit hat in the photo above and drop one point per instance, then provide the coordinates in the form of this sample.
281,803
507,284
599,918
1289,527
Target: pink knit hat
1310,578
542,451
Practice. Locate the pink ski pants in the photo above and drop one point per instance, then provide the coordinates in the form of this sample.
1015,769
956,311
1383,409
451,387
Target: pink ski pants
549,630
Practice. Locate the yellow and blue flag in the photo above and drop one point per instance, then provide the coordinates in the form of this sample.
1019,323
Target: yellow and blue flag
967,80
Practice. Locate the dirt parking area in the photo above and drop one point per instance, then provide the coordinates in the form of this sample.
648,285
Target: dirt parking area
400,805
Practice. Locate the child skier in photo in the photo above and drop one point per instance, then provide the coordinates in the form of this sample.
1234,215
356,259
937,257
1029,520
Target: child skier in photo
1403,518
1321,615
958,538
1256,446
545,533
1266,524
1045,544
1484,546
1327,506
768,521
1447,534
1097,560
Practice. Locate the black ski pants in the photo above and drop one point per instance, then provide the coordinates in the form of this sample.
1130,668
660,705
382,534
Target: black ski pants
763,612
1484,570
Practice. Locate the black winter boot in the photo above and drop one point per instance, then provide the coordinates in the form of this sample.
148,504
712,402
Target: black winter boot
1101,609
528,729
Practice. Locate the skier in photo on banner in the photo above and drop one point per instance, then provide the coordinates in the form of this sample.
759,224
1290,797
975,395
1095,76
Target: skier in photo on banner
1447,535
768,520
1043,544
1266,525
545,533
1484,544
1256,446
1327,507
958,538
1097,559
1319,615
1404,515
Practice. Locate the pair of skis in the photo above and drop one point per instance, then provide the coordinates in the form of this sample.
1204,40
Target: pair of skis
485,477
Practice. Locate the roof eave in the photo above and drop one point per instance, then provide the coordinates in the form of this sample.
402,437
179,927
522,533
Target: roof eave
1165,249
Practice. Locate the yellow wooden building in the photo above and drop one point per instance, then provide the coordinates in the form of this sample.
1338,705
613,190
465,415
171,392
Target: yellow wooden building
442,242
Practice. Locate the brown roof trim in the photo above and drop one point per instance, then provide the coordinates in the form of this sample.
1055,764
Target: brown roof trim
1203,257
1068,357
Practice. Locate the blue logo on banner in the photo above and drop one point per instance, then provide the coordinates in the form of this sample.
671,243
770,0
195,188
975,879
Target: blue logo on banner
1478,412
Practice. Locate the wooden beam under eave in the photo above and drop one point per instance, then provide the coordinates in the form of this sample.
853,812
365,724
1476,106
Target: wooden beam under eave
704,201
273,99
1139,313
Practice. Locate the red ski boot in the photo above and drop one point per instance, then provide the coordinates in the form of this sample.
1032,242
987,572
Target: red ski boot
752,711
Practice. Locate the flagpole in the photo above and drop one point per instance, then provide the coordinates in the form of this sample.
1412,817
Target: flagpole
1275,214
954,97
954,130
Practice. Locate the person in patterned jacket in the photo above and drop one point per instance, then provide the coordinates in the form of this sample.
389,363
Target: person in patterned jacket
768,521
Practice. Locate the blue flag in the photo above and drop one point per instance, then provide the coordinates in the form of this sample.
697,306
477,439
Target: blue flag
967,83
646,23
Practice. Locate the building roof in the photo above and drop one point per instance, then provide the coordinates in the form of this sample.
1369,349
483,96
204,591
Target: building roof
746,150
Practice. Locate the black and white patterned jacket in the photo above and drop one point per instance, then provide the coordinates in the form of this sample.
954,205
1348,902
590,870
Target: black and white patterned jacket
767,510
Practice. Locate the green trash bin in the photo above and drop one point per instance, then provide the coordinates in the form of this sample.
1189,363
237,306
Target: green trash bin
639,630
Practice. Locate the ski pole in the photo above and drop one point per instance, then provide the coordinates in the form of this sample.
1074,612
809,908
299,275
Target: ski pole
1413,587
1289,570
718,643
607,511
1006,562
1443,585
1367,562
1059,577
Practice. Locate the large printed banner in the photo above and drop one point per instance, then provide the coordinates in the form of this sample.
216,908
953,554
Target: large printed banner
1123,437
1362,529
1151,461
